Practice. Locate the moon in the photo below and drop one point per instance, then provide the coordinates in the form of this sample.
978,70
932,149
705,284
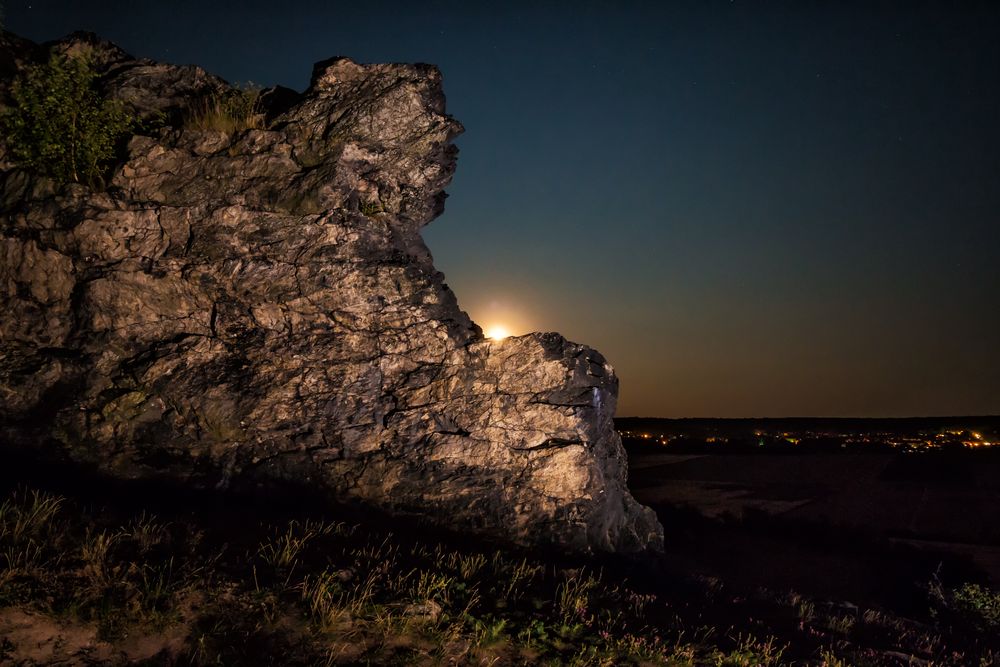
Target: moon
497,332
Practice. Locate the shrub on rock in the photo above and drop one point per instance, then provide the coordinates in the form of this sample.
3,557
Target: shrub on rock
60,125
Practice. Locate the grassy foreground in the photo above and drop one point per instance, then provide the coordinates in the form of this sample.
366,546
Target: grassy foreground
83,581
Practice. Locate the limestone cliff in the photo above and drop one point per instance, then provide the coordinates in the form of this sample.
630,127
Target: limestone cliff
253,306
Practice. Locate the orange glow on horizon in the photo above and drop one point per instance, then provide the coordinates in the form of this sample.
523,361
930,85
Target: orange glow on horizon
496,332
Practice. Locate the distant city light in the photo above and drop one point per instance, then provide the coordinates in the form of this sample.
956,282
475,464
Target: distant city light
906,443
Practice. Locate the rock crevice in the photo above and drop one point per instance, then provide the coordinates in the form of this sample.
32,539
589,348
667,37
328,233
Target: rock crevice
259,305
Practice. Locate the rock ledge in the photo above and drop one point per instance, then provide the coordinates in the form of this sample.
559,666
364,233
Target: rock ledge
260,306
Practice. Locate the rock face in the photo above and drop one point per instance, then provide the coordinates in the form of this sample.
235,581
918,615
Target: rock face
259,306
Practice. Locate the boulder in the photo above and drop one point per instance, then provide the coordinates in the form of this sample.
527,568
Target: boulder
258,306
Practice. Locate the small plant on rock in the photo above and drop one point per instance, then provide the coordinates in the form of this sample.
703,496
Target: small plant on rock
232,111
60,125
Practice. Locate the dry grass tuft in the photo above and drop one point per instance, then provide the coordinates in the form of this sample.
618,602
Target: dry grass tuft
233,111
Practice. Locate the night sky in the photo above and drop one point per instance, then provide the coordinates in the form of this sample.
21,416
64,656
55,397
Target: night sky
751,208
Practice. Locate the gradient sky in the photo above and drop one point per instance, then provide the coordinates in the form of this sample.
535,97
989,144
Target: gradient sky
751,208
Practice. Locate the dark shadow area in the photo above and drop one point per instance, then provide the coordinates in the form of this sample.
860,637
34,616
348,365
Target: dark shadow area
868,529
721,580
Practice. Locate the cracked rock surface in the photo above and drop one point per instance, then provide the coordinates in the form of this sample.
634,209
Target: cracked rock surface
259,306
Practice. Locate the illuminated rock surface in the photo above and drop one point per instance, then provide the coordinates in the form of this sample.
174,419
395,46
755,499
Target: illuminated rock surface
259,306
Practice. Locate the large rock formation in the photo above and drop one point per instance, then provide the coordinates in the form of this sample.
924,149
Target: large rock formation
259,306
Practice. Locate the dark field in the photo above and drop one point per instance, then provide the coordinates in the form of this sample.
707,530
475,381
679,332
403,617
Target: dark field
774,557
836,521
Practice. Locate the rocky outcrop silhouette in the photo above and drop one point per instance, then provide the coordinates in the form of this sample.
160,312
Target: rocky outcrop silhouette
258,306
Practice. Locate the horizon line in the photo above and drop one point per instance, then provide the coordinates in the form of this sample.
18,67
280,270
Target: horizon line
996,416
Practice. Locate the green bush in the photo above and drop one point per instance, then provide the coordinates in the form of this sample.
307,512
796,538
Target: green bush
978,604
60,125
